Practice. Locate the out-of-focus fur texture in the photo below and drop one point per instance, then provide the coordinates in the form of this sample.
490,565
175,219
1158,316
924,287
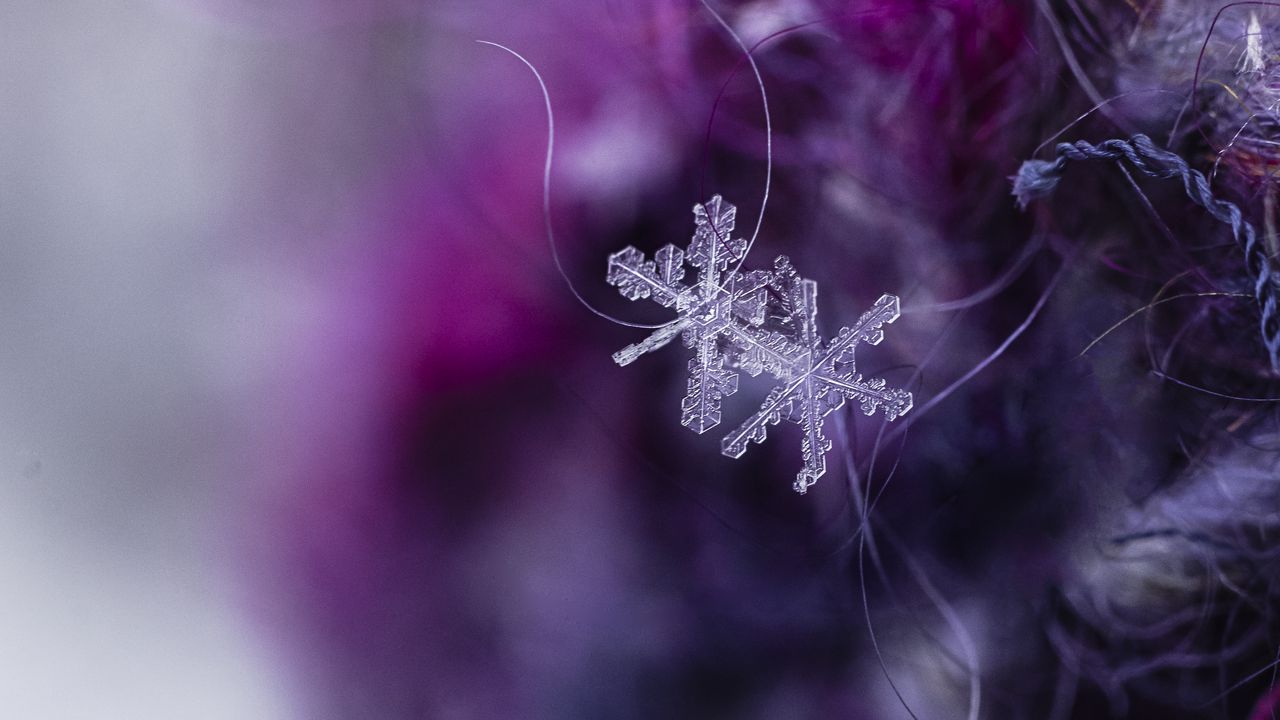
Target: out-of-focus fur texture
496,521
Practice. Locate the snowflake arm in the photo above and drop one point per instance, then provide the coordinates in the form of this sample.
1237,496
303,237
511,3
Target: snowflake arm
871,394
709,382
714,246
656,340
637,278
756,427
814,445
869,329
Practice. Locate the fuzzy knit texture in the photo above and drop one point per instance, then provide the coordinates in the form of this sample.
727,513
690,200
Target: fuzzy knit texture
1037,179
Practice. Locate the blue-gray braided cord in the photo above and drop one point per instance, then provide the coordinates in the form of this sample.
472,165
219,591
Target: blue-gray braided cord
1039,178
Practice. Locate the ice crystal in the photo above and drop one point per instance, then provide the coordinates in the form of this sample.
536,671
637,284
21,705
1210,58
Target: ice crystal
756,321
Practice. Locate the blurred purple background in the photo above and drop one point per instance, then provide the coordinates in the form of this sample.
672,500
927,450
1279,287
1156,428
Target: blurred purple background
300,421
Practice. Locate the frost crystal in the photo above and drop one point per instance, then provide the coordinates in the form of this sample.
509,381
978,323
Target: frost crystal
756,321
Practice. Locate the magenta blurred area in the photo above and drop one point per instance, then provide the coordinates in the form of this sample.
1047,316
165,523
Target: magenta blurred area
299,418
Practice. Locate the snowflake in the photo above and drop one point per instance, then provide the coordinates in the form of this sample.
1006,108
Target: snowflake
756,321
824,379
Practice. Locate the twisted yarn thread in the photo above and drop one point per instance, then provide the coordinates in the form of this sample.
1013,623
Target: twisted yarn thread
1039,178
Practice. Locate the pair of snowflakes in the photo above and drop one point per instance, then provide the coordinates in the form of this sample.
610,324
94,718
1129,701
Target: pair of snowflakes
754,321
